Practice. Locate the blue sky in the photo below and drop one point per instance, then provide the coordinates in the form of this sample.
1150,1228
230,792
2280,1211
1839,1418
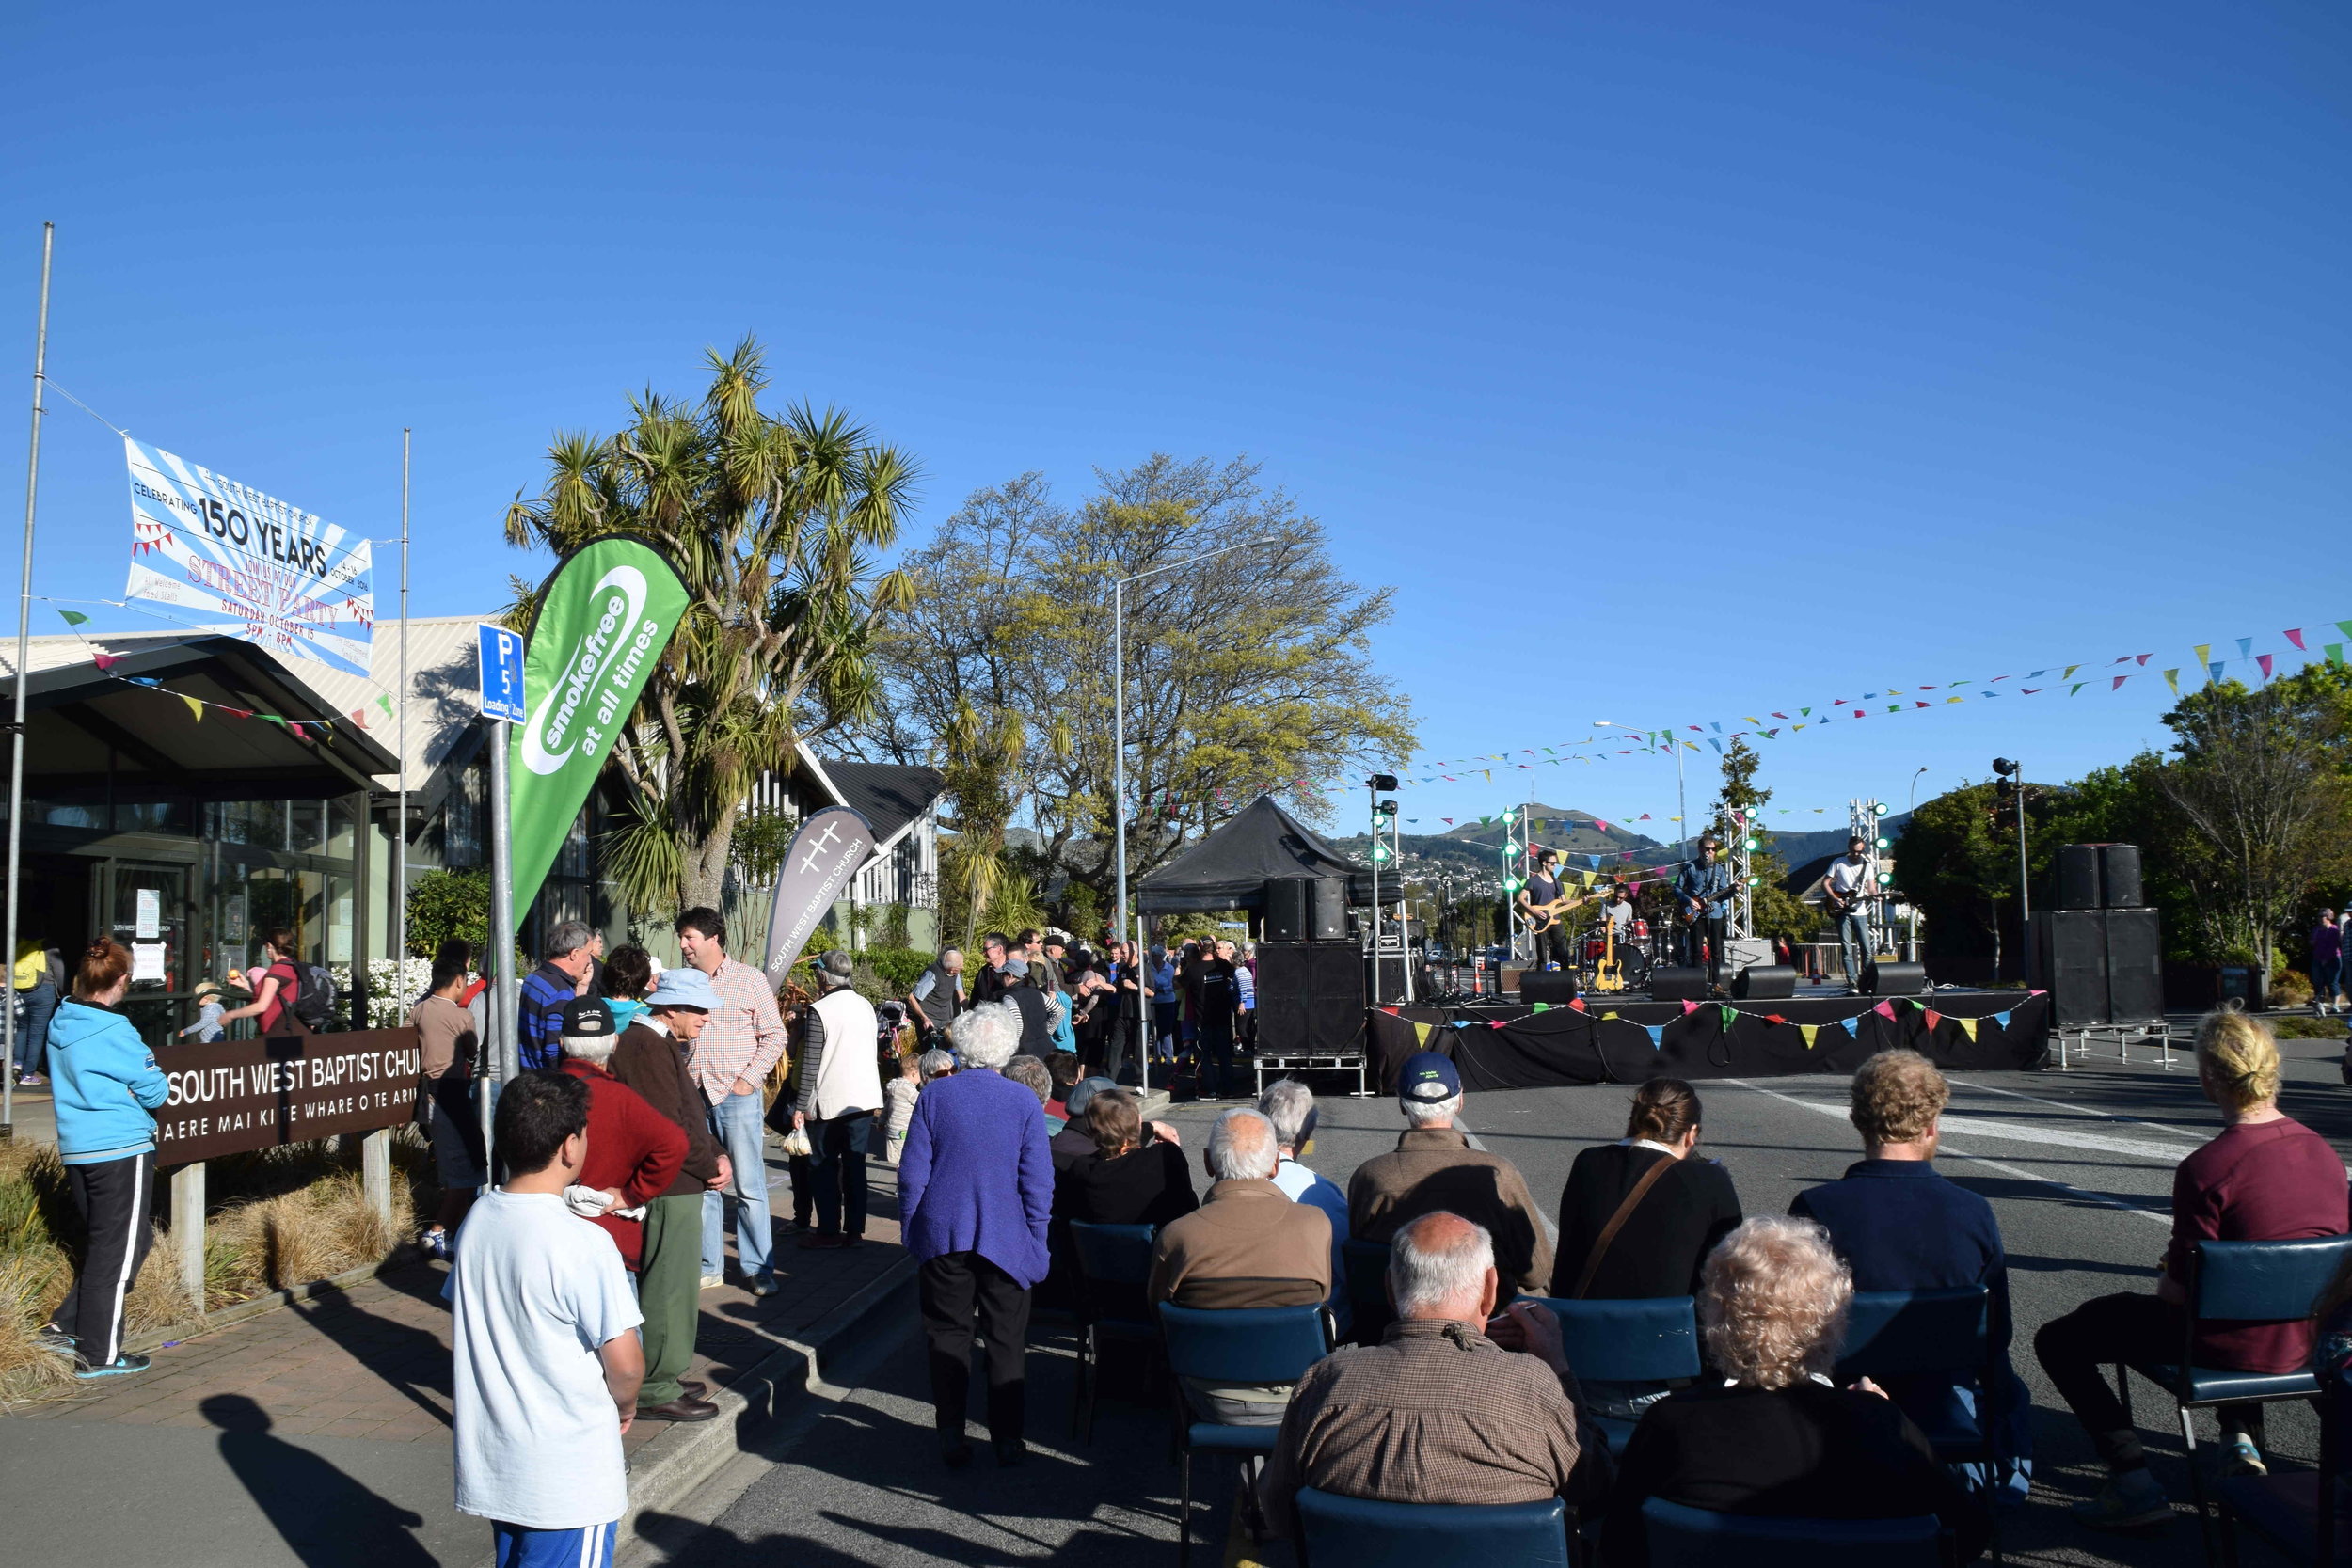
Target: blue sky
1675,362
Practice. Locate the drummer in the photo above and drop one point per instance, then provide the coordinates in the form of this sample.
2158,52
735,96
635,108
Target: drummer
1619,913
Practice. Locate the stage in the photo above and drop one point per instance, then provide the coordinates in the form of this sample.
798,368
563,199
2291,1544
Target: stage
1602,1039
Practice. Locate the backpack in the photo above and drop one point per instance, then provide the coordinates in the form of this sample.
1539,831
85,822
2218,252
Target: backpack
314,995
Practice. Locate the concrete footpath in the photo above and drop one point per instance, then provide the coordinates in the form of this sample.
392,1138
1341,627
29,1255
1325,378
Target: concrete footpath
319,1434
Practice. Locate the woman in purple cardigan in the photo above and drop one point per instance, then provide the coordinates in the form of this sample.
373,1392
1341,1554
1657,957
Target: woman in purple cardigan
976,1188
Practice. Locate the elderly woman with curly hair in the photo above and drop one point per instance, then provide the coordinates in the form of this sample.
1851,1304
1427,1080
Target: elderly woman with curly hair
1775,1436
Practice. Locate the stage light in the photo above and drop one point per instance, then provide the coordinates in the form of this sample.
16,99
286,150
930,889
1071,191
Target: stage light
1386,808
2004,767
1756,881
1885,841
1384,782
1753,845
1877,808
1886,878
1510,884
1379,853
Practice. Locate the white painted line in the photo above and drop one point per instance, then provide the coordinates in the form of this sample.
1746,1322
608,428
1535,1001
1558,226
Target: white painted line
2138,1148
2101,1198
2200,1136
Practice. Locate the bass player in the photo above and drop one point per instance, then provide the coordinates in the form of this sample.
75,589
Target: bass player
1542,904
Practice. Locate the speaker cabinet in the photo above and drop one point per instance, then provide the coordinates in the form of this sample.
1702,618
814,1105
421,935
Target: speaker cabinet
2118,877
2072,946
1556,986
2135,964
1746,953
2078,878
1677,984
1286,909
1310,996
1892,979
1765,982
1326,909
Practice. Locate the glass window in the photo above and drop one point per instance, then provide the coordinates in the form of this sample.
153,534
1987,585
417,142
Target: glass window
462,819
342,827
572,859
306,828
155,816
261,823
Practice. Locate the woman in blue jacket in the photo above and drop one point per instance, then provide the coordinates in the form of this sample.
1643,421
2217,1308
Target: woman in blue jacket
106,1087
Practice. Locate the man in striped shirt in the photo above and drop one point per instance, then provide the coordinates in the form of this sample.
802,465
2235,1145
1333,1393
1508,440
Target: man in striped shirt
730,1061
547,991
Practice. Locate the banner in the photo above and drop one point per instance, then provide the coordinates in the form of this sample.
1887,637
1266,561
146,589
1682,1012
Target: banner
278,577
827,851
605,616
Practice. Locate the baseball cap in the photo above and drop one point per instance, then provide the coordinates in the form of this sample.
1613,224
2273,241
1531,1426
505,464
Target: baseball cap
683,986
587,1018
1018,966
1084,1089
1427,1078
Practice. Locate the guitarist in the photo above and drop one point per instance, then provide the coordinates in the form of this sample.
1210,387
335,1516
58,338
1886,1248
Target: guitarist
1848,885
1702,896
1542,888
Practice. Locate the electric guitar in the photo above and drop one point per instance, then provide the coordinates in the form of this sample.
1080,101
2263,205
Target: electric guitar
1841,907
1611,975
1542,917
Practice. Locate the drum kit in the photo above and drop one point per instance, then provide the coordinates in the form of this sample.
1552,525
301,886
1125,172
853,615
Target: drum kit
1606,963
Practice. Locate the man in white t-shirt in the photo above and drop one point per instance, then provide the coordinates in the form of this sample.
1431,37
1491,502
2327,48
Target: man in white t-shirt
1848,885
547,1360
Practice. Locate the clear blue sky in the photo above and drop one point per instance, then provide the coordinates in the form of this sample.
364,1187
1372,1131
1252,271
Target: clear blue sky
1675,362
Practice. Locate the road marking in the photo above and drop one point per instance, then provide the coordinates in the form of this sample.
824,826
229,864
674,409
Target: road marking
2101,1198
2166,1154
2091,1111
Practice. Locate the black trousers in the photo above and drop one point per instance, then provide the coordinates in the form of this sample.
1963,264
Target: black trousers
1217,1056
1551,946
1703,944
838,1177
953,1288
2078,1350
114,1197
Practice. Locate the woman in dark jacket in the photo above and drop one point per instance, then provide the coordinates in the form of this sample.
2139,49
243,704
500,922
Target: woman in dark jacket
1128,1181
1037,1018
1686,1209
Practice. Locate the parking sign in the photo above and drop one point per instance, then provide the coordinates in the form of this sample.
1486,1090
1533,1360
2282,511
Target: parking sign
500,667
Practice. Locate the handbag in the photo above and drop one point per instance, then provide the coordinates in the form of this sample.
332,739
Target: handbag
1617,1223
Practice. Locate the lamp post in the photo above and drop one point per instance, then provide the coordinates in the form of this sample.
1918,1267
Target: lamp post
1119,770
1911,943
1682,804
2015,773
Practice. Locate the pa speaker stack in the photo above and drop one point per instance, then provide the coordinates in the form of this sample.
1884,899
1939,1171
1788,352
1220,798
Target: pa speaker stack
1555,986
2101,951
1306,909
1310,996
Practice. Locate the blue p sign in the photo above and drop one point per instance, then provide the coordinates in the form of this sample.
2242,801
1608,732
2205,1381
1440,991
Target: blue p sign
502,672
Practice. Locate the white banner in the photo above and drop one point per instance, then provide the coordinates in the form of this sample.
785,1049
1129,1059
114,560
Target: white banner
281,578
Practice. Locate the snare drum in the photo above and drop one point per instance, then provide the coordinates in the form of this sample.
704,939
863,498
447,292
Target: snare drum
1640,930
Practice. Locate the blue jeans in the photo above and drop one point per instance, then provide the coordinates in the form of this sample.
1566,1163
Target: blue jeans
1854,942
736,1122
840,1173
2327,977
32,1030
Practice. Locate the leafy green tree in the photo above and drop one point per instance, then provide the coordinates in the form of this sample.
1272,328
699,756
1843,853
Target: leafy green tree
1247,672
448,904
772,520
1774,911
1957,861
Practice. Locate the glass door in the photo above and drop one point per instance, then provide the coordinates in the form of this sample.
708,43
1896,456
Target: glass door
149,912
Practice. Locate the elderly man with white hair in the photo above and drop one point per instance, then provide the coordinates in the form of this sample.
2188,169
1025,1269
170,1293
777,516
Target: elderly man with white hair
1434,1167
976,1189
1438,1412
1290,1106
1247,1245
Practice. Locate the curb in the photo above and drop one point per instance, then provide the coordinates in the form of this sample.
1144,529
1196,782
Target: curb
267,1302
675,1464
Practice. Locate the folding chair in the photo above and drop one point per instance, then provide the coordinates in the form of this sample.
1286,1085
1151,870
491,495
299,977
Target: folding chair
1354,1533
1684,1537
1367,1265
1241,1345
1114,1265
1942,1332
1651,1339
2287,1510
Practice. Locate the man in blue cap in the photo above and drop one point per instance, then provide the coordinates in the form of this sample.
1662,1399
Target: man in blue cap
1434,1167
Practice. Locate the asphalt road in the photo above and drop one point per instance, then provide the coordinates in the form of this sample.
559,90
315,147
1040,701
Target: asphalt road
2077,1165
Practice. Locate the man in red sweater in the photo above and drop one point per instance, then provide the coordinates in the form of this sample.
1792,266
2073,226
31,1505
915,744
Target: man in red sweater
634,1151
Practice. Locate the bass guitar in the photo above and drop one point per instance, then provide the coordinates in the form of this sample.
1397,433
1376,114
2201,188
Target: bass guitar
1542,917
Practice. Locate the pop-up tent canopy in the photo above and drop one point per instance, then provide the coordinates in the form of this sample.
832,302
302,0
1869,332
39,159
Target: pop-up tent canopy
1229,868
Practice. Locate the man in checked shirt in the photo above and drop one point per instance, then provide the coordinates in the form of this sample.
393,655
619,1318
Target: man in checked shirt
730,1062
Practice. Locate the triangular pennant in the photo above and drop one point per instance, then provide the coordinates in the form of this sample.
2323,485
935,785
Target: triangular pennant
1607,1016
1967,1026
1884,1011
2264,660
2001,1019
1543,1007
2205,653
1689,1007
105,661
234,712
196,709
1726,1014
1811,1031
72,617
1421,1034
1657,1034
1393,1012
386,703
1932,1017
2173,680
2294,635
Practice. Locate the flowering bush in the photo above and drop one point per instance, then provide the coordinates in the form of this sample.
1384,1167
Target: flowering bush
393,987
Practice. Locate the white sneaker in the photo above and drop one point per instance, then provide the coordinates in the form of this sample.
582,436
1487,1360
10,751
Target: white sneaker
712,1281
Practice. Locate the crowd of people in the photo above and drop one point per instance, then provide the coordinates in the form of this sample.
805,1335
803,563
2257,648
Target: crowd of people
652,1092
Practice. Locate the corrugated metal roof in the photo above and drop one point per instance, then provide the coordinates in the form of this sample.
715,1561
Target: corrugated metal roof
442,683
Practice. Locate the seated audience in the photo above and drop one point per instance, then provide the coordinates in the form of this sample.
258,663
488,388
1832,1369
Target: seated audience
1663,1233
1290,1106
1773,1437
1073,1143
1128,1180
1438,1412
1899,1226
1067,1072
1433,1167
2267,1177
1031,1074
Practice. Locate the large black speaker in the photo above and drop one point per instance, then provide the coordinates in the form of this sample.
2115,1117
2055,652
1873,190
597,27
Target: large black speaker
1556,986
2135,965
1310,996
1765,982
1677,984
1326,909
2072,946
2078,878
1286,909
2118,876
1892,979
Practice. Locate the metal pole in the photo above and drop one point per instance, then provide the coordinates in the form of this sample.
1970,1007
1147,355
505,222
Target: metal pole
2025,895
16,716
1118,818
1376,899
400,735
504,982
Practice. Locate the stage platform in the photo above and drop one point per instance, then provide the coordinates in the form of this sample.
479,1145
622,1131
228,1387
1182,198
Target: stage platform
1614,1039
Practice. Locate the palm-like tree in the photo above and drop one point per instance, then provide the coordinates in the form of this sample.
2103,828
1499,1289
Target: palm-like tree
772,522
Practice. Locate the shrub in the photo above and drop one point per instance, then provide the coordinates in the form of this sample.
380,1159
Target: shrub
445,904
899,967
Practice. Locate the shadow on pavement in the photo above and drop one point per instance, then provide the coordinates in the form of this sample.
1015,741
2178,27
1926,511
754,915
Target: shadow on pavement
325,1517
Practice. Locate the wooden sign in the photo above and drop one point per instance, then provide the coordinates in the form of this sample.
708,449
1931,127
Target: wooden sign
238,1095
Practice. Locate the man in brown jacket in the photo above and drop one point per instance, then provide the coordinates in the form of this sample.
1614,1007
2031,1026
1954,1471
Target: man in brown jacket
1433,1167
1247,1245
651,1058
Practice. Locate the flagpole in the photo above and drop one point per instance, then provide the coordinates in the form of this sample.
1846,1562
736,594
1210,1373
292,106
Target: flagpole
16,715
400,737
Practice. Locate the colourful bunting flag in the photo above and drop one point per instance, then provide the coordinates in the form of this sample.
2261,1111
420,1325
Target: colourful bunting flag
72,617
196,709
2173,680
1967,1026
2294,635
1421,1034
1811,1031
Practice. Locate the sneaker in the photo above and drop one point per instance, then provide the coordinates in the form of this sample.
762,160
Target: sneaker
2127,1501
30,1079
762,1284
712,1281
56,1340
2240,1457
121,1366
435,1242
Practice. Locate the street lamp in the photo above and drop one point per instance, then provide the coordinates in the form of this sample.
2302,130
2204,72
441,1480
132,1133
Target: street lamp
1119,764
1911,944
2015,772
1682,802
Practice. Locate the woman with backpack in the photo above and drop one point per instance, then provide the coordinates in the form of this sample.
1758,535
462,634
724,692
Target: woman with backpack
277,989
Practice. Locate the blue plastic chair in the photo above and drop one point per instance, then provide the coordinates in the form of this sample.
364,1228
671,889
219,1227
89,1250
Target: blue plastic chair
2285,1510
1352,1532
1947,1332
1367,1265
2242,1282
1257,1344
1648,1340
1114,1265
1685,1537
